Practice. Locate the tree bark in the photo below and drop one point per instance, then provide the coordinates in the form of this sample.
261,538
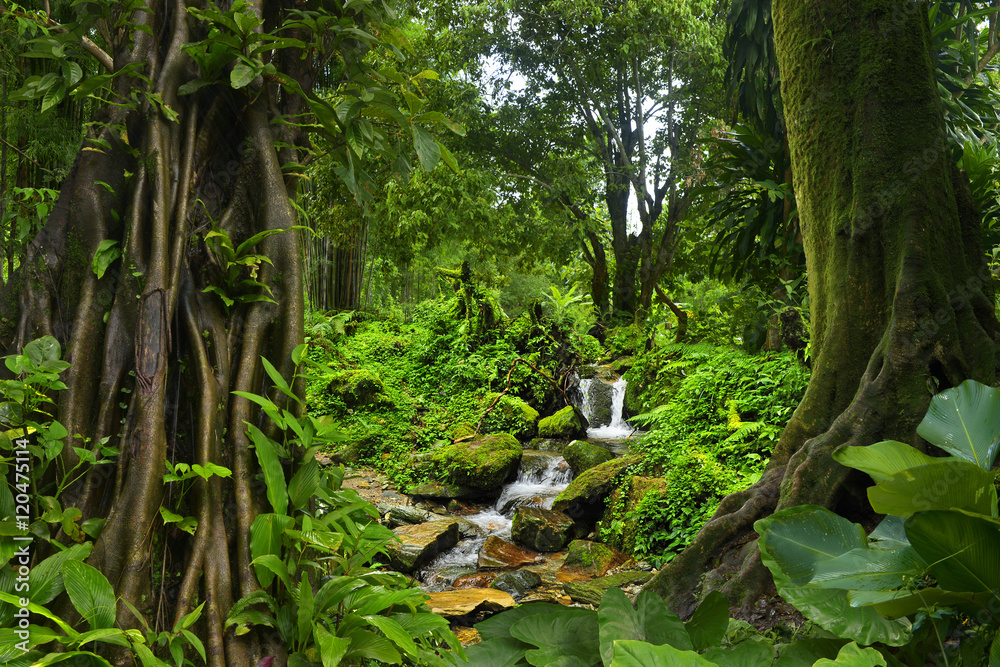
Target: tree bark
147,329
901,301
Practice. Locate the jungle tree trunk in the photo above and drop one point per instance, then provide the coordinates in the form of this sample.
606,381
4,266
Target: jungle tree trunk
900,298
146,333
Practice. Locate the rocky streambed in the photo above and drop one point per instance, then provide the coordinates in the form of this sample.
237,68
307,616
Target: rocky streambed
476,558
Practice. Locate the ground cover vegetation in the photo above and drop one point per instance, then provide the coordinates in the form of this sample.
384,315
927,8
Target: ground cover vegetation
777,220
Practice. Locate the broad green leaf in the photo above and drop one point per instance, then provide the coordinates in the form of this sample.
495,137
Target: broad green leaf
146,656
965,422
274,476
498,627
331,647
53,658
395,633
853,655
265,538
427,147
560,636
798,540
275,565
90,593
241,76
45,579
365,644
43,349
883,459
963,550
804,652
801,537
750,653
630,653
306,606
107,252
650,621
896,604
870,570
304,483
109,635
889,534
497,652
708,625
943,485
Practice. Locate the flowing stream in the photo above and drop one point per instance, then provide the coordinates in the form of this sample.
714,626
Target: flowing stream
541,477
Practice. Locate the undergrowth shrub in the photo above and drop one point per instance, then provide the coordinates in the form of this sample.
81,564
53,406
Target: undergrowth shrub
713,415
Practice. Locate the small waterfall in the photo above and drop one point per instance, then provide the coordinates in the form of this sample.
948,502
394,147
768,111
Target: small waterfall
604,412
536,485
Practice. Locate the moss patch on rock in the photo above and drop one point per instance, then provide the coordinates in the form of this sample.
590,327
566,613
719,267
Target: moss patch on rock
357,388
563,424
591,592
481,463
584,498
511,415
583,456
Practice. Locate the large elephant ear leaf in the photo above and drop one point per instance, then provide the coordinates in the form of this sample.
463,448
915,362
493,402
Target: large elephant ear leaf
965,422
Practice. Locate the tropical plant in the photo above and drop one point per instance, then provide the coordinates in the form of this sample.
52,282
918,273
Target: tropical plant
312,555
937,547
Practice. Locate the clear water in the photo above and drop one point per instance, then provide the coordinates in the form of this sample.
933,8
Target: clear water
537,488
618,428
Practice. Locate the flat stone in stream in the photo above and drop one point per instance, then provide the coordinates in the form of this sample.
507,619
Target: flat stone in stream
541,529
402,515
421,543
497,552
586,560
591,592
468,601
446,491
517,583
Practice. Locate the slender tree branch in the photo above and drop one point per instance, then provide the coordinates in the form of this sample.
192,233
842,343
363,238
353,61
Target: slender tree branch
88,45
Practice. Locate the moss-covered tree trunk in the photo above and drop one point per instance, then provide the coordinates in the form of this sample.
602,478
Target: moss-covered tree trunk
154,357
900,298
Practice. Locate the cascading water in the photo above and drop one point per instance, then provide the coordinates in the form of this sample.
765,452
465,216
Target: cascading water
535,486
605,423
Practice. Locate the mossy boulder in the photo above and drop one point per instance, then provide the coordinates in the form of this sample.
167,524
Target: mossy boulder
585,496
623,503
511,415
591,592
541,530
357,388
586,560
583,456
463,431
517,583
564,424
482,463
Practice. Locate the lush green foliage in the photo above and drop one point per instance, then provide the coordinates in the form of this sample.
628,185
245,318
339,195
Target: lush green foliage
936,548
436,374
644,633
713,415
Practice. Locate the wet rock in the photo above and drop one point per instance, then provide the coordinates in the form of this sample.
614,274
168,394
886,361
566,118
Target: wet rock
599,401
454,506
534,462
564,424
445,491
421,543
468,636
584,498
547,444
468,601
475,580
591,592
467,529
403,515
499,553
586,560
541,529
482,463
583,456
517,583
